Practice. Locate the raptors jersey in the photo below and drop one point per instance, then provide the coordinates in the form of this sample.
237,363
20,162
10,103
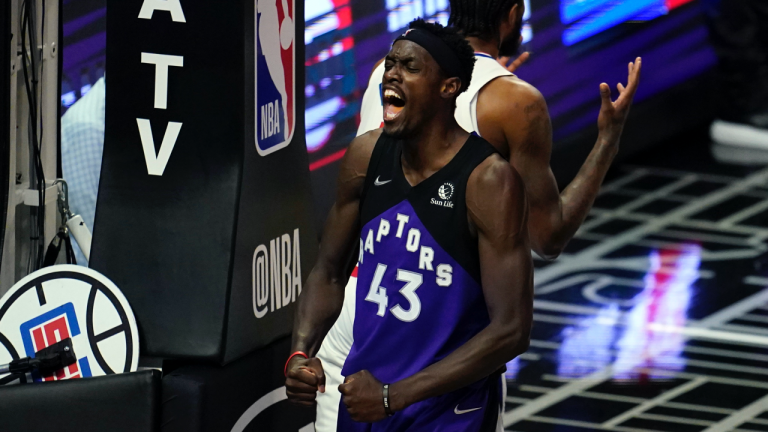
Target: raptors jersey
486,70
418,295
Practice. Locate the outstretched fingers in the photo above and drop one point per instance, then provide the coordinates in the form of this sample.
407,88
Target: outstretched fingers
519,61
605,95
628,93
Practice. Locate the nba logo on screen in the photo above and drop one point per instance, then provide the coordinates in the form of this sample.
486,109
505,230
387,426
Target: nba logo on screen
275,74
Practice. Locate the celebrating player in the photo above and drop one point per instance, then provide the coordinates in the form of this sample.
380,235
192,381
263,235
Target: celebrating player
445,274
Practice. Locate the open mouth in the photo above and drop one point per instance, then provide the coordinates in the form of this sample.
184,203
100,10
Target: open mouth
394,102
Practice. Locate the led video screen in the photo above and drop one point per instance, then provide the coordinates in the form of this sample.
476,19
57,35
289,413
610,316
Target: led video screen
575,45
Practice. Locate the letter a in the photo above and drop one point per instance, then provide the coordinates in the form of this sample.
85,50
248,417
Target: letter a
156,162
172,6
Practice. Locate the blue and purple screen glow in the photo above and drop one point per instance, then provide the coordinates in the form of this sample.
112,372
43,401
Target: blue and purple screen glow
575,45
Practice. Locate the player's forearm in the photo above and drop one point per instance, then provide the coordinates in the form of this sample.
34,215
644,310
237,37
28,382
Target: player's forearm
577,199
319,307
481,356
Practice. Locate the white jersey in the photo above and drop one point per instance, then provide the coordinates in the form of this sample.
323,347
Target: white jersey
336,345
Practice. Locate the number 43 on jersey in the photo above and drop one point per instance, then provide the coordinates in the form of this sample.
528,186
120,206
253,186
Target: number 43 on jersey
378,294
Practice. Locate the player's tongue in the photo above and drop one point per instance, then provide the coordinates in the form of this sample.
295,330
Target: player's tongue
393,105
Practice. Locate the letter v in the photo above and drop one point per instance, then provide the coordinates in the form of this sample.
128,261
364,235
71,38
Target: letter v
156,162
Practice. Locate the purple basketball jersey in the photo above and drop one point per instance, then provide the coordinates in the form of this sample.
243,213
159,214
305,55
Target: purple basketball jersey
419,296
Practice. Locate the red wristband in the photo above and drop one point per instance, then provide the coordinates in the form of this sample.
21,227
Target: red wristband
297,353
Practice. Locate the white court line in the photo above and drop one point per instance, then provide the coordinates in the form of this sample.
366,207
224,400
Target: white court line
755,318
517,400
705,333
672,419
713,178
745,328
740,308
582,424
590,257
748,212
556,396
741,416
701,408
645,406
756,280
719,352
641,201
565,307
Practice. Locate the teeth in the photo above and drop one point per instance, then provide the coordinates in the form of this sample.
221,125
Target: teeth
391,93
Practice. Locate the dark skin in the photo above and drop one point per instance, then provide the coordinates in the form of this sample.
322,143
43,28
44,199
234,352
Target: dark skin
431,139
513,116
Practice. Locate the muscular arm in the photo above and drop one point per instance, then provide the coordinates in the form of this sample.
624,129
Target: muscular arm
323,295
507,275
513,116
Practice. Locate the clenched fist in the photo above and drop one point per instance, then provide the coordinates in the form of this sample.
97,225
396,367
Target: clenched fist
305,377
363,396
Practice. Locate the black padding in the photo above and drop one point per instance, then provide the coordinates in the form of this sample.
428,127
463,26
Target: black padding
181,245
213,399
116,403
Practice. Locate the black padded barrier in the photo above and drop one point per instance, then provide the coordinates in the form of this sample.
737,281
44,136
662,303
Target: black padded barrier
205,252
116,403
244,396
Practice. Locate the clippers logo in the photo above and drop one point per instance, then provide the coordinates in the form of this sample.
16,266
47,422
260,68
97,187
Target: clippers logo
275,75
49,328
64,301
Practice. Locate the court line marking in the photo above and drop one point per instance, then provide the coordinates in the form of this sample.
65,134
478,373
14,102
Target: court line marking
582,424
746,213
645,406
762,319
673,419
741,416
580,261
718,352
695,332
745,329
702,408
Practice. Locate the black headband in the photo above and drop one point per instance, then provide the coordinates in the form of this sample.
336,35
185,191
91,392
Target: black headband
445,57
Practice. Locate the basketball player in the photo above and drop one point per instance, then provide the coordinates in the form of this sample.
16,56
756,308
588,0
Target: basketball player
512,115
438,211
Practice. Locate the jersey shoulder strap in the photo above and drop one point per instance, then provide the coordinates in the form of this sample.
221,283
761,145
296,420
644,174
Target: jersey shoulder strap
486,70
372,107
383,147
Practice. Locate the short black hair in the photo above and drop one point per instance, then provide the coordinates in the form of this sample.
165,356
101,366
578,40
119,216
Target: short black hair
455,41
480,18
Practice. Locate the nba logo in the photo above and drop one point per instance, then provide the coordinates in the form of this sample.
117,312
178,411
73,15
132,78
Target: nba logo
275,74
49,328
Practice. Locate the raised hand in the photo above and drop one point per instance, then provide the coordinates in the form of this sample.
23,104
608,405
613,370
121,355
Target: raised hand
512,67
613,115
305,377
363,396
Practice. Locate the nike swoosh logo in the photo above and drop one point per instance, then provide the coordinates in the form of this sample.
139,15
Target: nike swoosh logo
460,412
380,183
